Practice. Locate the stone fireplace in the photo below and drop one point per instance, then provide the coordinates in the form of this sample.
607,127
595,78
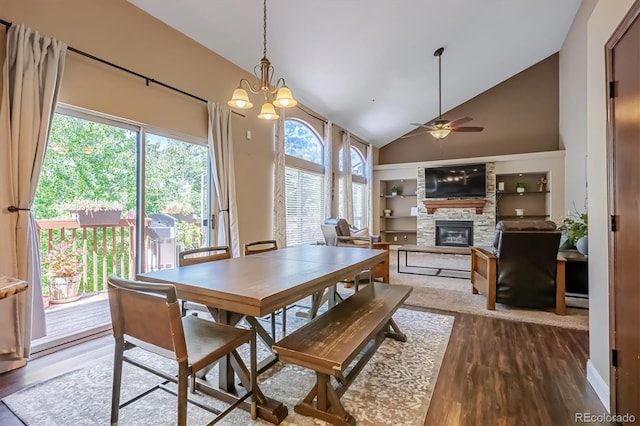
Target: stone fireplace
480,219
454,233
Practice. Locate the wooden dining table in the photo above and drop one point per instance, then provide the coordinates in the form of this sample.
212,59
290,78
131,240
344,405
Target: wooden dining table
254,286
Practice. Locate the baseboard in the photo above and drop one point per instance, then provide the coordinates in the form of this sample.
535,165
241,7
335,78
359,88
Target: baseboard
599,385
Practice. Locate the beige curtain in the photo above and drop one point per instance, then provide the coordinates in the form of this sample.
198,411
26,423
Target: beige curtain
225,232
347,190
279,195
32,74
368,172
328,169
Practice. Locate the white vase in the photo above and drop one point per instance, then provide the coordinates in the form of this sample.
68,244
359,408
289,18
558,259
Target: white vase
583,245
64,289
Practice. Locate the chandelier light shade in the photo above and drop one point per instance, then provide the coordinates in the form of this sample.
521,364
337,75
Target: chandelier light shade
275,95
268,112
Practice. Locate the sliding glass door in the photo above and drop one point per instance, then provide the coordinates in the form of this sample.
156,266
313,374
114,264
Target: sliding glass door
176,199
154,189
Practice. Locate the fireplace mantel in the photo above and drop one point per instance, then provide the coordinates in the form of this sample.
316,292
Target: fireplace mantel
474,203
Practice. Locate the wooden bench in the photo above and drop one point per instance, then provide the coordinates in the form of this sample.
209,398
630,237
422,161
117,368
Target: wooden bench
330,342
431,249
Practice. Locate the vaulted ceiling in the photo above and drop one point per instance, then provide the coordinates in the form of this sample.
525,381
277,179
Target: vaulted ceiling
368,65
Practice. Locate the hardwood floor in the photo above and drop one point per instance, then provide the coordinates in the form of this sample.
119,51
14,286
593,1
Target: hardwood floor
495,372
498,372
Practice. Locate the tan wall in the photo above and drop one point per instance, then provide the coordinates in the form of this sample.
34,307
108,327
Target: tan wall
119,32
519,115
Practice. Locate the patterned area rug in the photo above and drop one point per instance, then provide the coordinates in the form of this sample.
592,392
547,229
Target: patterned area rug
454,294
395,387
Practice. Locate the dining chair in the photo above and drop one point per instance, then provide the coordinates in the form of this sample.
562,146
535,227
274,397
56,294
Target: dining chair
147,316
200,255
262,246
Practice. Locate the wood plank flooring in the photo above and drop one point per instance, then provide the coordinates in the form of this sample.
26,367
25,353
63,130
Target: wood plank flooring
495,372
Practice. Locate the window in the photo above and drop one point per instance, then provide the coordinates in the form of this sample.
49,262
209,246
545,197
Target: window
304,183
358,188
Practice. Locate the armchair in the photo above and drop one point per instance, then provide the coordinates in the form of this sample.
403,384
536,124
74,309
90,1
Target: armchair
338,232
523,269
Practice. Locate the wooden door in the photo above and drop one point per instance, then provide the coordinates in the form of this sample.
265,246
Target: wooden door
623,67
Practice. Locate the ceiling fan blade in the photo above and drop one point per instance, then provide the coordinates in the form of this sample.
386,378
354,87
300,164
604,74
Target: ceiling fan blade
467,129
459,121
413,134
426,126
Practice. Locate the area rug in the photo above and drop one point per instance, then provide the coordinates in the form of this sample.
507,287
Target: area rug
395,387
454,294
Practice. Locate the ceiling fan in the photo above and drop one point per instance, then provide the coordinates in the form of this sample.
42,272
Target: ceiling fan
440,128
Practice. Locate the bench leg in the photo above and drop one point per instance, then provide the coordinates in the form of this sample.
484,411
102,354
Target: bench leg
393,331
327,406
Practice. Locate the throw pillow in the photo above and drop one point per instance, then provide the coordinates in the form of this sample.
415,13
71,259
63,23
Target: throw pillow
361,233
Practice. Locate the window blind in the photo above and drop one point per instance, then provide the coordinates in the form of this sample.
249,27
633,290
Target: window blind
305,201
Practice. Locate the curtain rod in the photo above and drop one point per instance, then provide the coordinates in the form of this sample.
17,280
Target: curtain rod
147,80
355,137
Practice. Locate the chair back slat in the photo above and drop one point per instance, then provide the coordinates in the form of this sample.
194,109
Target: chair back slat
148,313
256,247
203,254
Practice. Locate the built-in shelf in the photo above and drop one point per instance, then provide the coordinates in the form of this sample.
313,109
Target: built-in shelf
396,217
399,196
521,193
474,203
399,231
523,216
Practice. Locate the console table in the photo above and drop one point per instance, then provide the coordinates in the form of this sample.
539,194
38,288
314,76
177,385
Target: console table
576,272
407,248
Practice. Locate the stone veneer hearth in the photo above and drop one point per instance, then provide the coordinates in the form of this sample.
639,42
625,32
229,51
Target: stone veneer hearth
483,224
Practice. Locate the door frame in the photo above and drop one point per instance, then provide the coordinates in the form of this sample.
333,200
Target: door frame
622,28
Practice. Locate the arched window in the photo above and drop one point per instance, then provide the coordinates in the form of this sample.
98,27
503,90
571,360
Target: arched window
304,182
358,188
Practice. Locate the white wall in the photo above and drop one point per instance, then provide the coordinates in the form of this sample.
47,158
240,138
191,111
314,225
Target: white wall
573,108
603,21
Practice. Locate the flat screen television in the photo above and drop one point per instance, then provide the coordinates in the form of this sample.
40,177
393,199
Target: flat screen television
469,180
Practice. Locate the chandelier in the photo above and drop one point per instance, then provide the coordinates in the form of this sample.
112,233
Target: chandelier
264,73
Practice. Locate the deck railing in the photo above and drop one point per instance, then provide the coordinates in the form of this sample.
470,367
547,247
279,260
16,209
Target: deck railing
105,249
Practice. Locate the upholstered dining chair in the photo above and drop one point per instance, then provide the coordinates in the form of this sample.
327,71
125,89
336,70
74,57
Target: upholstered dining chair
262,246
201,255
147,316
523,267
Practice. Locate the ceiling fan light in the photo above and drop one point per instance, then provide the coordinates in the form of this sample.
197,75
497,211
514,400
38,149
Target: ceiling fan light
440,133
284,98
240,99
268,112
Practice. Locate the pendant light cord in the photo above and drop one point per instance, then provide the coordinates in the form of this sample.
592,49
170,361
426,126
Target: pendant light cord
264,29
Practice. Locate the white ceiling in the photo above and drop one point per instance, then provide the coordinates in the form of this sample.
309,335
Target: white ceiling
368,65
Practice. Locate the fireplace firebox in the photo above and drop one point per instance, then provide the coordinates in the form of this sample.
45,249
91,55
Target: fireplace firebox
454,233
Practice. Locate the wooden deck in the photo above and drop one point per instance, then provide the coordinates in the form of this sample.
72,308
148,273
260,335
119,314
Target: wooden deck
75,321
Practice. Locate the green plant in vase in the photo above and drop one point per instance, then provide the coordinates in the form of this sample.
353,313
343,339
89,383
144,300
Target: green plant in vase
576,228
521,186
64,267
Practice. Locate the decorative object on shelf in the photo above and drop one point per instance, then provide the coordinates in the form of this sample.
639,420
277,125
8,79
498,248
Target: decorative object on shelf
64,266
264,73
576,228
500,186
387,212
542,184
95,212
394,190
521,186
519,212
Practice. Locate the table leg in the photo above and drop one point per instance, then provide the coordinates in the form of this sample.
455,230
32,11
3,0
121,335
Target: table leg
267,409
